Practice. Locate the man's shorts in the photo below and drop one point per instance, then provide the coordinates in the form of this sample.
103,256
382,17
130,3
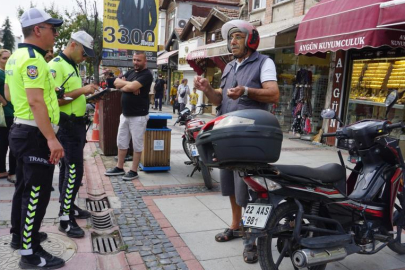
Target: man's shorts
193,107
233,184
131,127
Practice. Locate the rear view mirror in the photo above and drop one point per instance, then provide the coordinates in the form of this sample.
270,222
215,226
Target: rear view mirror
390,101
328,114
331,114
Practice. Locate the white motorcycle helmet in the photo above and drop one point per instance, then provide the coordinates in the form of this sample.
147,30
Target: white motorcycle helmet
252,36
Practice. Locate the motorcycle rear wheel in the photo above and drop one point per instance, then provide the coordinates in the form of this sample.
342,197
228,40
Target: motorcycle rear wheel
287,212
398,247
205,171
186,148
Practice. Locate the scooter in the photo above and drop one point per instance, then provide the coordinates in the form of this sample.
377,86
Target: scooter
192,127
314,216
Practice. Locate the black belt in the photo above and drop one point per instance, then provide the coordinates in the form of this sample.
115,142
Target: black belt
66,119
78,120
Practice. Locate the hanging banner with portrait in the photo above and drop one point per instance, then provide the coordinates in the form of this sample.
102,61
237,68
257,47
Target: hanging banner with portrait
130,24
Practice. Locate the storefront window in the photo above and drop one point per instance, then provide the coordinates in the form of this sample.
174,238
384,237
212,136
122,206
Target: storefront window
370,82
302,81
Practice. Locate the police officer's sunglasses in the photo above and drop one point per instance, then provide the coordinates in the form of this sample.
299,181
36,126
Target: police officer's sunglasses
84,52
54,30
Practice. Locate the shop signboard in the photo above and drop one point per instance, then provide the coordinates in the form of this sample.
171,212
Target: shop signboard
130,24
337,93
184,49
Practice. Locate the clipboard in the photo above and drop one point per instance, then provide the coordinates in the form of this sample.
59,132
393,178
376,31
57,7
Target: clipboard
97,96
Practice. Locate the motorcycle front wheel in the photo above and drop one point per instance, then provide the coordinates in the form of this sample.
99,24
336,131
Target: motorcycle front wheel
268,257
186,148
206,173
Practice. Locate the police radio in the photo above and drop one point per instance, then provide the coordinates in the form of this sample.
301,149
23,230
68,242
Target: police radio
61,90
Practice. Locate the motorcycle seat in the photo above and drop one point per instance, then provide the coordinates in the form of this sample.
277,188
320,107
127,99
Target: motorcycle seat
328,173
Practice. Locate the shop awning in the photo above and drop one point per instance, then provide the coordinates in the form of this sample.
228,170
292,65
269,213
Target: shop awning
208,50
392,13
269,32
333,25
164,58
214,51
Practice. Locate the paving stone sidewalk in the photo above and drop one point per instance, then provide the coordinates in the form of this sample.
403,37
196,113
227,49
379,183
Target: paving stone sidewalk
140,230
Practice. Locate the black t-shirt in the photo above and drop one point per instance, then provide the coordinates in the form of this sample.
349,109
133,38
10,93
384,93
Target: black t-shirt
110,82
159,86
137,105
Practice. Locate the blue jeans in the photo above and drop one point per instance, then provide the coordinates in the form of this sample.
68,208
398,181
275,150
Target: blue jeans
158,98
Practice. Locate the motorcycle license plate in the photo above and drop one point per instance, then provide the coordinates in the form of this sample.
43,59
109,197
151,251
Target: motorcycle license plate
256,215
194,151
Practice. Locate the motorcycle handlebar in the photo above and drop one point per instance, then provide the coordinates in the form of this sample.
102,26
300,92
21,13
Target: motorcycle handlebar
395,125
204,105
333,134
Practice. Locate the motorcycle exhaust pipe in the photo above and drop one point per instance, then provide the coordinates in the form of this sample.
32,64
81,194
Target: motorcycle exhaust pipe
312,257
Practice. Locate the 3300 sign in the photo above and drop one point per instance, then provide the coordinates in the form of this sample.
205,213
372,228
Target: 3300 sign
135,37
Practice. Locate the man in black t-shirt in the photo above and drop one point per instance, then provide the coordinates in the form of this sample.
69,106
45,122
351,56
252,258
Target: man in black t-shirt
135,88
160,86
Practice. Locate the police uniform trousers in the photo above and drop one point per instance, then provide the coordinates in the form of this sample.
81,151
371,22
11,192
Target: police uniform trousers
33,187
72,136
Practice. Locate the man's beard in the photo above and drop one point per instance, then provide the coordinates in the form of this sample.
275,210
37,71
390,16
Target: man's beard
138,68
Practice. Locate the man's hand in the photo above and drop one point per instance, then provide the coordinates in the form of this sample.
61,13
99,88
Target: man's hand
119,83
56,151
3,101
201,84
89,89
236,92
137,92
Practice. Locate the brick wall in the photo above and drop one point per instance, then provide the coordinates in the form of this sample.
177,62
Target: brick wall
299,7
269,12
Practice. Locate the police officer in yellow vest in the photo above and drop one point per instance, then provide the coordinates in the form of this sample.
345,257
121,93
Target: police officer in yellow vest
72,132
31,88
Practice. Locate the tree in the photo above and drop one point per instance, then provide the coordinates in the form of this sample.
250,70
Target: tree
92,24
86,19
8,37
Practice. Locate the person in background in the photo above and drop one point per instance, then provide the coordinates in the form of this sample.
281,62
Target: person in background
173,95
4,131
248,82
152,94
31,88
160,86
193,100
182,93
110,80
135,89
49,55
72,132
103,84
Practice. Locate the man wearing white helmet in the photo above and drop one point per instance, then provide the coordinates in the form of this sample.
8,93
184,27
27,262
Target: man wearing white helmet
248,82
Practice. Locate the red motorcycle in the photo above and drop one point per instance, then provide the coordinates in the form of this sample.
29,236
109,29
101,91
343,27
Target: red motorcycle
314,216
192,128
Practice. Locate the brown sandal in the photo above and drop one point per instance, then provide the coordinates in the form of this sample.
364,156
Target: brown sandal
250,255
227,235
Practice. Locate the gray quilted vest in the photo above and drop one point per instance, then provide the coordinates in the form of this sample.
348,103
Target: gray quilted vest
248,74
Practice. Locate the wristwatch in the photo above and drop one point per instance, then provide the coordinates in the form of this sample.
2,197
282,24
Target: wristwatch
246,91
